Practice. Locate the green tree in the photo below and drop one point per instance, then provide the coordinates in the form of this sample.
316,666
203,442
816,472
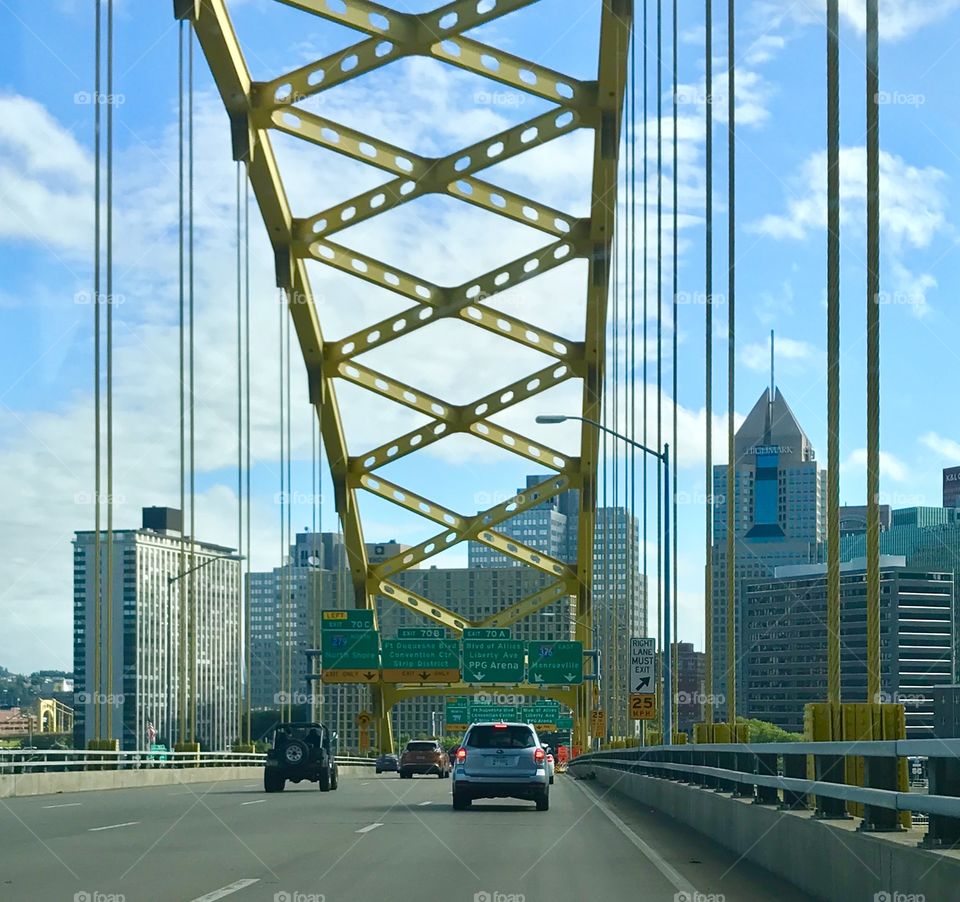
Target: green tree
762,731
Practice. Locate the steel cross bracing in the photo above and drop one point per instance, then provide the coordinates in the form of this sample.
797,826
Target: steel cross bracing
256,108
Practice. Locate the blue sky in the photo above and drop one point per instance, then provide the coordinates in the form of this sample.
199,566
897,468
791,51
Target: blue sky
46,191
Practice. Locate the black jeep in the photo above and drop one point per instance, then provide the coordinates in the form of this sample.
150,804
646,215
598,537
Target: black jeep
301,751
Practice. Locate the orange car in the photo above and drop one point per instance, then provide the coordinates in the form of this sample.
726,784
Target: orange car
424,756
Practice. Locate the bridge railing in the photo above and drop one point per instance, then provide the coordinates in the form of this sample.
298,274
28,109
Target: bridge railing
25,761
799,775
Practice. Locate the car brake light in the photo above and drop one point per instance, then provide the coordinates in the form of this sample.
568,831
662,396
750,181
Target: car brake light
461,754
538,754
499,726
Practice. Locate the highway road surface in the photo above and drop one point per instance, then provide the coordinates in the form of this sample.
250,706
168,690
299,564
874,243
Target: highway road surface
376,838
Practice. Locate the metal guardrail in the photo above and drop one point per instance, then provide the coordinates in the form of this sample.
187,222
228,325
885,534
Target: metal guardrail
19,761
777,774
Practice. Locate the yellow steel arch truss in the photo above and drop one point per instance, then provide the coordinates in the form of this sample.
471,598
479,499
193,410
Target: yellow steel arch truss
257,108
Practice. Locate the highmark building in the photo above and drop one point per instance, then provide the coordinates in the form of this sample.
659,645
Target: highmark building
779,515
144,632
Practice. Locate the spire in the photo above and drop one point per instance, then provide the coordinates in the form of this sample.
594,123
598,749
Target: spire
773,384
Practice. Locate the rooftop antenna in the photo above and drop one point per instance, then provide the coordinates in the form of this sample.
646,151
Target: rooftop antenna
773,387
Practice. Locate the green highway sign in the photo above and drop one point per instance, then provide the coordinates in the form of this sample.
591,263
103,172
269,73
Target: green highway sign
457,713
541,712
500,632
349,655
493,660
421,632
565,722
480,711
421,660
353,619
555,663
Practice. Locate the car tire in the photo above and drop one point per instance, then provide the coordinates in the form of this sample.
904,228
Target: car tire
543,801
335,778
324,778
273,782
379,771
295,752
404,775
551,781
461,802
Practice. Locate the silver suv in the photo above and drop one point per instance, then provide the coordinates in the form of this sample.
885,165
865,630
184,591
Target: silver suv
500,760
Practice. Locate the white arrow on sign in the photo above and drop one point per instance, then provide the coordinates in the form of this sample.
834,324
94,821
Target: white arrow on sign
643,657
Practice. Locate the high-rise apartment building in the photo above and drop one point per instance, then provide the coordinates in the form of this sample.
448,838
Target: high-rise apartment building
140,647
784,642
779,513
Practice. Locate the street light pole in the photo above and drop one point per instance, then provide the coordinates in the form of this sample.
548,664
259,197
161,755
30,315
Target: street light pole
666,691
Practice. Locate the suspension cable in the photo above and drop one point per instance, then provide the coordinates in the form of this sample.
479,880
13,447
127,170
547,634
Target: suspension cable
708,367
181,585
833,354
97,625
240,522
632,626
290,578
662,600
873,353
674,670
646,261
246,348
110,305
283,549
194,578
731,349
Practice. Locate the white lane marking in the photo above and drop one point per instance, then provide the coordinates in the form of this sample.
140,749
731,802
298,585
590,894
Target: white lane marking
113,826
368,828
227,890
421,804
251,785
680,883
65,805
365,784
254,802
189,792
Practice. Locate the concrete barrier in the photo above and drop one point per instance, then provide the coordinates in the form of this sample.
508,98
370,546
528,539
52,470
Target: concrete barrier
82,781
830,860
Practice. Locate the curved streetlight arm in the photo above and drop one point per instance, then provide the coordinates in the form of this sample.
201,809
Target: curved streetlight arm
220,557
545,419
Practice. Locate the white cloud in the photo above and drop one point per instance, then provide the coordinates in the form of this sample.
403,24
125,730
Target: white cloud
756,355
898,19
891,466
947,448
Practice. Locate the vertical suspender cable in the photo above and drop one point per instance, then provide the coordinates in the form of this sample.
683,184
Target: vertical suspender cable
194,607
181,585
632,625
291,585
95,687
708,368
833,355
661,600
283,549
675,671
108,733
246,400
731,349
873,354
646,439
240,593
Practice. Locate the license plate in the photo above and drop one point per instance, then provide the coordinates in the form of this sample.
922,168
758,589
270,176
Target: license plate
502,762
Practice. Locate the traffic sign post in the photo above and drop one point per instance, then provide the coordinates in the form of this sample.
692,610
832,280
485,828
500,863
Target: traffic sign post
421,661
544,715
483,711
555,663
456,714
642,706
492,656
350,647
643,662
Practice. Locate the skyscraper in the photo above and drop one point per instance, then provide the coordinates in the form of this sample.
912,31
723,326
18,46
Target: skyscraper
779,513
145,637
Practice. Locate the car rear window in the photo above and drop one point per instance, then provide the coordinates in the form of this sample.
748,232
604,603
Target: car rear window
421,746
490,737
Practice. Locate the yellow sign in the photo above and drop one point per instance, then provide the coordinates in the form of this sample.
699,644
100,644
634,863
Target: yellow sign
643,706
364,718
545,727
334,615
350,676
598,722
421,675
